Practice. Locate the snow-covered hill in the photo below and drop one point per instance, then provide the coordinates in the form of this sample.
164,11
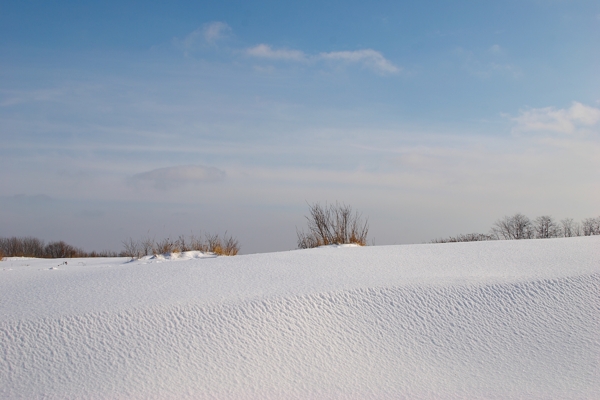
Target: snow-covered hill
500,319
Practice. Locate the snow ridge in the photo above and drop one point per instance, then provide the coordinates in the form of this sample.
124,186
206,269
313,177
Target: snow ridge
535,339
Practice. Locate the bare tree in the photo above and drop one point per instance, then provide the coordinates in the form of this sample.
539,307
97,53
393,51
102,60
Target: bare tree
591,226
569,228
61,250
22,247
333,224
545,227
513,227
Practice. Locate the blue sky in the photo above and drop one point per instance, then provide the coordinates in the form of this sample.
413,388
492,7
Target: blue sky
122,119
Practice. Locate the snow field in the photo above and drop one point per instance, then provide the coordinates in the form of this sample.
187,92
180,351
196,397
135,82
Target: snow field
466,320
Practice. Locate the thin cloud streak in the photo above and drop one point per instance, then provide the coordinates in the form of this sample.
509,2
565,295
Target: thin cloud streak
265,51
172,177
369,58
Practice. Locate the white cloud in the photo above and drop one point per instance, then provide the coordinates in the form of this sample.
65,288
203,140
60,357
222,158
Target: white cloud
265,51
170,177
209,33
214,31
551,119
368,57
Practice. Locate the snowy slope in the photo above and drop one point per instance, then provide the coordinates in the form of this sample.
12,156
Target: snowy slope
501,319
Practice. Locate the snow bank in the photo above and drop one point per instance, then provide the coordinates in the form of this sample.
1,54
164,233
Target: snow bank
516,319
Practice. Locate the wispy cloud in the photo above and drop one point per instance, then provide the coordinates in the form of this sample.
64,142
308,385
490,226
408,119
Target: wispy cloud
265,51
214,31
369,58
563,120
171,177
211,33
208,34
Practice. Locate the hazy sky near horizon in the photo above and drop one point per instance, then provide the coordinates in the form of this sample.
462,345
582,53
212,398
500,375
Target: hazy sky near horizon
130,119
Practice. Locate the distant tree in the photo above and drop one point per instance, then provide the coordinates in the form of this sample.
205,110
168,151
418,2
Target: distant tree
519,226
569,228
22,247
545,227
591,226
61,250
513,227
34,247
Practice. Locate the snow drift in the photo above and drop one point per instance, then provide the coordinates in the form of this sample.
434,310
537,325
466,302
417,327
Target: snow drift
501,319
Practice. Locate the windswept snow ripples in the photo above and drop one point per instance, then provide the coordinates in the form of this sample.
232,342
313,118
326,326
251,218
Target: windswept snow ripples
516,319
532,339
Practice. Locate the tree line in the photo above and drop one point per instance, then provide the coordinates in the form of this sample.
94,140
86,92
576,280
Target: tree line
34,247
519,226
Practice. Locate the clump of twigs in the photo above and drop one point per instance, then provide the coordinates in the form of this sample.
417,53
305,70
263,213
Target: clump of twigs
333,224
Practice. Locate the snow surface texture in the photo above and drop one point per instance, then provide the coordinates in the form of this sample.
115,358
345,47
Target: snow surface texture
501,319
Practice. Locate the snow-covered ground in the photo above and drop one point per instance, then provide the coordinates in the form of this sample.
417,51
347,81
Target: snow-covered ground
500,319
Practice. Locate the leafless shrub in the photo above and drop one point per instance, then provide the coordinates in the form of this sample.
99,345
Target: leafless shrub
130,248
227,246
1,255
545,227
213,243
165,246
469,237
333,224
183,244
231,246
147,246
198,244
